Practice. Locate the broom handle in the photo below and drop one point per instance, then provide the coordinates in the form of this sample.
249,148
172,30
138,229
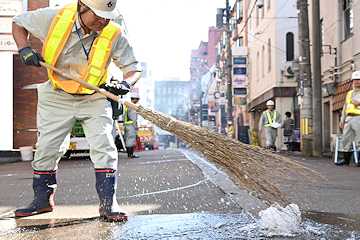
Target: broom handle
92,87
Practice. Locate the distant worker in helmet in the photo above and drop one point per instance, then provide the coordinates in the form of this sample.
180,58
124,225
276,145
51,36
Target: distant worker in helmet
230,131
80,40
350,119
270,119
131,126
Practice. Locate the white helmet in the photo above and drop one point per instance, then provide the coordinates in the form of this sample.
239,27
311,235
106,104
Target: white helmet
103,8
135,95
229,122
270,103
355,75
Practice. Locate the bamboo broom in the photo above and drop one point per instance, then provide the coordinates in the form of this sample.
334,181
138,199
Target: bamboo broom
258,170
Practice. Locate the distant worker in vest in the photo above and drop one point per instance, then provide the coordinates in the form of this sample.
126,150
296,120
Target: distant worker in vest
131,126
80,40
350,119
230,129
270,120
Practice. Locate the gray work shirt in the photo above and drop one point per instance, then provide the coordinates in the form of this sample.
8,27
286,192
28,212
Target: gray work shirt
264,119
73,59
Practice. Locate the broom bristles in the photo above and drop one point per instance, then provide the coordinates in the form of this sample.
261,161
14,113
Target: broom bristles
256,169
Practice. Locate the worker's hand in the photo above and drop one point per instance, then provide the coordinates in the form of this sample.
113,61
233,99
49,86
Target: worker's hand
121,88
260,130
341,124
30,57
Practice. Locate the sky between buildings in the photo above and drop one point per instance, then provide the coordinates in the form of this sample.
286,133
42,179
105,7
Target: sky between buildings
163,32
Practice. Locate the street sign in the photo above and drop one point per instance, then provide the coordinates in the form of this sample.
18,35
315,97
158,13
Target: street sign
240,70
239,61
216,95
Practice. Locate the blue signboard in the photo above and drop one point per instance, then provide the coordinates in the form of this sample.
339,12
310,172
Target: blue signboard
240,71
239,61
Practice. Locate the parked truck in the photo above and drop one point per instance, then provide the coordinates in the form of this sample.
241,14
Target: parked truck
146,134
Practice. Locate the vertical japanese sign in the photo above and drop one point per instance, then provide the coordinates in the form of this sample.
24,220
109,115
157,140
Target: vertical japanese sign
8,9
239,80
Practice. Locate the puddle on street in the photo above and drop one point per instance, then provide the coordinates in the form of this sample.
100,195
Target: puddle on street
179,226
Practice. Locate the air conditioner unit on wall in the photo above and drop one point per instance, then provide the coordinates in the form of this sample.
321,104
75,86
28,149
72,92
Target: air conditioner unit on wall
288,72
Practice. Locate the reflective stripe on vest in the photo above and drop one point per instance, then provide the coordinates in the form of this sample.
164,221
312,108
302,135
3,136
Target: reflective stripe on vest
230,131
95,72
126,120
350,108
269,118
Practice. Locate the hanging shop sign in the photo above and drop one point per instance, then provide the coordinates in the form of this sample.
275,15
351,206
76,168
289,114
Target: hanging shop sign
240,70
240,91
239,60
239,81
239,101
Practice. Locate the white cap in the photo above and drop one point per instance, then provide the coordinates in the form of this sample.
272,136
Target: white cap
135,95
103,8
270,103
355,75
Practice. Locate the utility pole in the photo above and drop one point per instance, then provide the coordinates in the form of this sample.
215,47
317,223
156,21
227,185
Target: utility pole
317,101
228,64
201,95
305,79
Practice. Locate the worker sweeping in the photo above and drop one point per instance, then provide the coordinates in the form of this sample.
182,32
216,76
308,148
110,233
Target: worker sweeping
131,126
80,40
350,119
269,120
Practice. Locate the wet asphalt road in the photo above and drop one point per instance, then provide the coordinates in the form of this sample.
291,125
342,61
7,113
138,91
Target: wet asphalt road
172,194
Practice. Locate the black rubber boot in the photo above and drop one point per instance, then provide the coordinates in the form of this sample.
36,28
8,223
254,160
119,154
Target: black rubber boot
346,160
44,185
130,151
106,182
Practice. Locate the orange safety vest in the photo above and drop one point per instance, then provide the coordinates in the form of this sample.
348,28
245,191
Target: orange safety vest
350,108
269,118
95,73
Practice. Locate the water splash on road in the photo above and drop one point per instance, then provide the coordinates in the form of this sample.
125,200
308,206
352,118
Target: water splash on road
179,226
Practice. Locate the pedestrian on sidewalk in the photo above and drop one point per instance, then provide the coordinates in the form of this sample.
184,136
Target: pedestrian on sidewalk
131,126
74,39
350,119
288,126
270,120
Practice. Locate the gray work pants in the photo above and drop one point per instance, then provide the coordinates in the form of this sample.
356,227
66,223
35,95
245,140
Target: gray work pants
351,129
131,133
57,113
270,134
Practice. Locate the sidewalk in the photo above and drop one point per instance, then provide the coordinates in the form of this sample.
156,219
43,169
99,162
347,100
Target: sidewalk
9,157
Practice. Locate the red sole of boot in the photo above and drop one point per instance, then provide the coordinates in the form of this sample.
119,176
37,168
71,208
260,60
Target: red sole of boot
19,214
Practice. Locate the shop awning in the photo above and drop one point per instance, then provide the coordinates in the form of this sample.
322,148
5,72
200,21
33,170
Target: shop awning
340,95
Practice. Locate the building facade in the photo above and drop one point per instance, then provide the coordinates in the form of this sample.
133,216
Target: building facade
171,98
340,57
273,45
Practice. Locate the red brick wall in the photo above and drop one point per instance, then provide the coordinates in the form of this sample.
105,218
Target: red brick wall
25,101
